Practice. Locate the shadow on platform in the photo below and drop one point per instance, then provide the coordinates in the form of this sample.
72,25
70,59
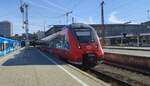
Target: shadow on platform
31,56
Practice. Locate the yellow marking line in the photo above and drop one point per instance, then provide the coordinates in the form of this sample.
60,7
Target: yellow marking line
3,58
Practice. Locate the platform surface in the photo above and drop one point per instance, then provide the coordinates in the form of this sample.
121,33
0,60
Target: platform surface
30,67
128,48
129,52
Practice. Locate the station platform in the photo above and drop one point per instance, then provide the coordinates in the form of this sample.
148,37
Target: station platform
138,60
128,48
129,52
31,67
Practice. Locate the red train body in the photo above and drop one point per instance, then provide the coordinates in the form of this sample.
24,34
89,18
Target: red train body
77,43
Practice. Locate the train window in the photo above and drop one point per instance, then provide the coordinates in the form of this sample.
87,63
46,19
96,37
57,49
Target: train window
50,44
5,46
55,43
87,33
58,45
59,41
2,46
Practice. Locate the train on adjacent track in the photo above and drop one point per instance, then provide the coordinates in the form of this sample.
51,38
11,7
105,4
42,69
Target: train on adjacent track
77,43
8,45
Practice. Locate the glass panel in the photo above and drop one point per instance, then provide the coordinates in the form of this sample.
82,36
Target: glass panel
85,35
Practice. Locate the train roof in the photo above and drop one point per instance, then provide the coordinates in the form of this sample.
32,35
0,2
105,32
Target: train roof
50,37
57,28
54,29
80,25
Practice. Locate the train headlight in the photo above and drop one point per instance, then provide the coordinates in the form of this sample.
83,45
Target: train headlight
79,47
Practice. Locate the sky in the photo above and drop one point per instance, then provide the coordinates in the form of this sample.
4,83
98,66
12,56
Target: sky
51,12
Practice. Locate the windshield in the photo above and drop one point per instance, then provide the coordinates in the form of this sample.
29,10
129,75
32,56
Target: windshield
84,35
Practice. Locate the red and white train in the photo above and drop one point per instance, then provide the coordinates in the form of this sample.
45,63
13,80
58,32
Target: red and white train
77,43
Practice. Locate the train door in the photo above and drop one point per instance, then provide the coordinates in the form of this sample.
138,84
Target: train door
14,45
65,47
61,44
5,47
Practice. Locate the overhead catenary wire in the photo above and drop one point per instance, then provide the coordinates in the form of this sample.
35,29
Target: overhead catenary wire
55,5
46,16
38,5
75,6
62,8
122,5
59,7
32,25
45,7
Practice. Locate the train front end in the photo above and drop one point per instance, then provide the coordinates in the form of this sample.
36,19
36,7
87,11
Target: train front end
86,48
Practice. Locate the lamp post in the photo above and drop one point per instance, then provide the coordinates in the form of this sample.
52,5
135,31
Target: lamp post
24,11
102,27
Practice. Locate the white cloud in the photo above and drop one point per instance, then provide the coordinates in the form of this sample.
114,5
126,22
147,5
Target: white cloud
113,18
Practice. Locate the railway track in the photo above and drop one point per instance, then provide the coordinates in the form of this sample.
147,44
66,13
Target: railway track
122,77
107,78
143,71
118,75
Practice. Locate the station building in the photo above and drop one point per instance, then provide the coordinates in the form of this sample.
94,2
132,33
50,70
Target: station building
119,34
6,28
125,34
